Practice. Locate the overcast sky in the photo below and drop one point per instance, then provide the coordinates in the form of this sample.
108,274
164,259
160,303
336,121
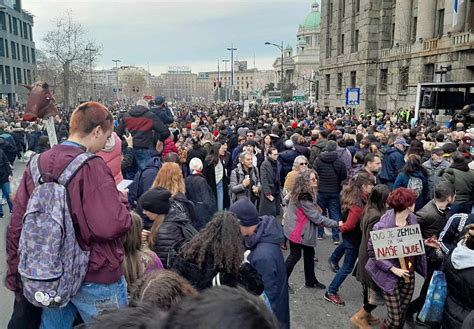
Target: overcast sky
179,32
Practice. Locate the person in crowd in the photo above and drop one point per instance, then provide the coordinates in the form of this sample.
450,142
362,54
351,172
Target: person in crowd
221,307
217,254
353,199
299,165
142,124
270,180
99,212
137,260
216,174
453,231
169,146
396,277
250,147
434,166
6,177
161,110
244,180
42,145
462,178
414,176
9,146
162,289
197,151
200,194
357,164
332,172
459,270
266,144
263,237
112,155
373,165
238,149
432,219
287,158
18,134
319,147
299,143
374,209
393,162
301,224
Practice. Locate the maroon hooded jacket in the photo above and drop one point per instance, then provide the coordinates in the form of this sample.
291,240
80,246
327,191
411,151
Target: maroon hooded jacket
99,213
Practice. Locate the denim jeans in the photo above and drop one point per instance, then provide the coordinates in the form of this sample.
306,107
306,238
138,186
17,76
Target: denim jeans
141,157
330,204
90,301
351,253
220,195
6,195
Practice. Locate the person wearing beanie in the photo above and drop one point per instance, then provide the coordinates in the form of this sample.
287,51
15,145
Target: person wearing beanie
263,237
161,110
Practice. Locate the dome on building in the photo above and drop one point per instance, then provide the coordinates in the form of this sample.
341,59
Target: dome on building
288,47
313,19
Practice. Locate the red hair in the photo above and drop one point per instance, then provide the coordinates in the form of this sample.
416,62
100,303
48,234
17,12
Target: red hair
401,198
89,115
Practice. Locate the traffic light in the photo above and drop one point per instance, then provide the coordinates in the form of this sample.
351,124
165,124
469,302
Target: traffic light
220,84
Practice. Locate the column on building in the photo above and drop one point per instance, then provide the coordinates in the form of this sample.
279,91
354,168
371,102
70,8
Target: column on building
426,19
403,17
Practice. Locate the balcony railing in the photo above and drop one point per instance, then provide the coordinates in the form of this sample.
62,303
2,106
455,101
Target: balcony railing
462,38
430,44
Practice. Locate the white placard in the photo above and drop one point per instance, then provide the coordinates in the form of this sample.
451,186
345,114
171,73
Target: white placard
398,242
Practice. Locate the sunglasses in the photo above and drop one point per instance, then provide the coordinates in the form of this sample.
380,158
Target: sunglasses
303,164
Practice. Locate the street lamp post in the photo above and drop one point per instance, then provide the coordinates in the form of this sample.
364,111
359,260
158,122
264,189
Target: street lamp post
232,49
281,67
91,50
225,76
116,71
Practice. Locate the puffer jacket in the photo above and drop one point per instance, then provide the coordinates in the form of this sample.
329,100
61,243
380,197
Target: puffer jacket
303,219
331,171
170,231
433,174
463,180
237,189
169,147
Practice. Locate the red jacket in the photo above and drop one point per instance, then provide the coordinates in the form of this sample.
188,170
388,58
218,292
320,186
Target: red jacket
169,147
98,210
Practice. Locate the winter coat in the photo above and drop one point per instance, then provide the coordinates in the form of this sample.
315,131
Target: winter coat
303,220
379,270
345,155
434,171
170,232
302,150
196,152
267,258
459,270
331,171
392,163
402,181
369,219
431,220
270,179
169,147
5,169
112,155
286,159
351,228
33,138
164,113
463,180
200,194
209,174
453,231
237,189
143,124
317,149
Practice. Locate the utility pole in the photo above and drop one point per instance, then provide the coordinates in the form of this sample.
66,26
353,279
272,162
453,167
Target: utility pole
281,67
91,50
226,87
232,49
116,69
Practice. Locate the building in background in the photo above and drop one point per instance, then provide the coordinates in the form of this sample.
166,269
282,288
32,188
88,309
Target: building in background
179,83
385,46
17,52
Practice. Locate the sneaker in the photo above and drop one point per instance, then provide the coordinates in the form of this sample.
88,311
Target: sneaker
320,237
317,285
333,266
334,298
336,242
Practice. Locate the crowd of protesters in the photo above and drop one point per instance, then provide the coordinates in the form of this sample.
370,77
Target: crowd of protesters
197,239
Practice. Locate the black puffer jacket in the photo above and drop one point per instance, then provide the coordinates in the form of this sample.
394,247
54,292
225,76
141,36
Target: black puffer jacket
331,171
170,232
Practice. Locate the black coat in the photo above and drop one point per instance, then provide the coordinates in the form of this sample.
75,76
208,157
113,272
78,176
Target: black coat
209,173
200,194
198,152
5,169
270,180
331,171
286,159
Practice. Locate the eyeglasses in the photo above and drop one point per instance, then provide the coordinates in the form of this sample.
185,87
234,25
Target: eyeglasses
303,164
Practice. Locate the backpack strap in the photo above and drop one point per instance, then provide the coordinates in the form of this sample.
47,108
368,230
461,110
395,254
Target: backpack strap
73,167
34,169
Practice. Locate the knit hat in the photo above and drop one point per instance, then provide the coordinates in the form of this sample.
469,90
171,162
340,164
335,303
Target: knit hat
288,144
246,212
159,100
142,102
156,200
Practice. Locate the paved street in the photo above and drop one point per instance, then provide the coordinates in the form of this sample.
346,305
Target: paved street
308,308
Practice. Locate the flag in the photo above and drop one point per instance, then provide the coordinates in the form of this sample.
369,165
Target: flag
457,6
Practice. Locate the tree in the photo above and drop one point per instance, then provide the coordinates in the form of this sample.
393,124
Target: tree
68,45
49,69
268,87
134,85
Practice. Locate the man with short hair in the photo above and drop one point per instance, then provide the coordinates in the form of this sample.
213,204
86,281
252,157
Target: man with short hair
434,166
263,237
161,110
393,162
98,210
373,165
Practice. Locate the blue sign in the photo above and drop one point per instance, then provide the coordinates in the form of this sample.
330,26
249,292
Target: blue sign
352,96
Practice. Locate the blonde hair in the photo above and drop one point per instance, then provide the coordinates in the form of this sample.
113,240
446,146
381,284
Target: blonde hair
171,178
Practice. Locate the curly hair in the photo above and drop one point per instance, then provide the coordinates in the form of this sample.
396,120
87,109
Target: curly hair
170,177
220,239
401,198
302,185
351,194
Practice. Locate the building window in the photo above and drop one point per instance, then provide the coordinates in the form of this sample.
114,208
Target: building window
357,6
25,30
18,75
28,54
13,47
331,7
356,40
404,74
383,80
8,78
339,82
2,49
353,79
343,8
440,29
31,32
3,21
2,77
330,47
14,75
328,83
23,52
429,73
392,36
15,26
342,44
6,48
10,23
413,30
28,75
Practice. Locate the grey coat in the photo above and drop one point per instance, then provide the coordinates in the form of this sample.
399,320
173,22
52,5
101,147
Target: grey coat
237,189
434,174
303,219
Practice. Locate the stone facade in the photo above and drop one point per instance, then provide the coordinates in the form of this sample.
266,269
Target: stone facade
386,47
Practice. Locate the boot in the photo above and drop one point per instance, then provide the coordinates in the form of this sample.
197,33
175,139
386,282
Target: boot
373,320
360,319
